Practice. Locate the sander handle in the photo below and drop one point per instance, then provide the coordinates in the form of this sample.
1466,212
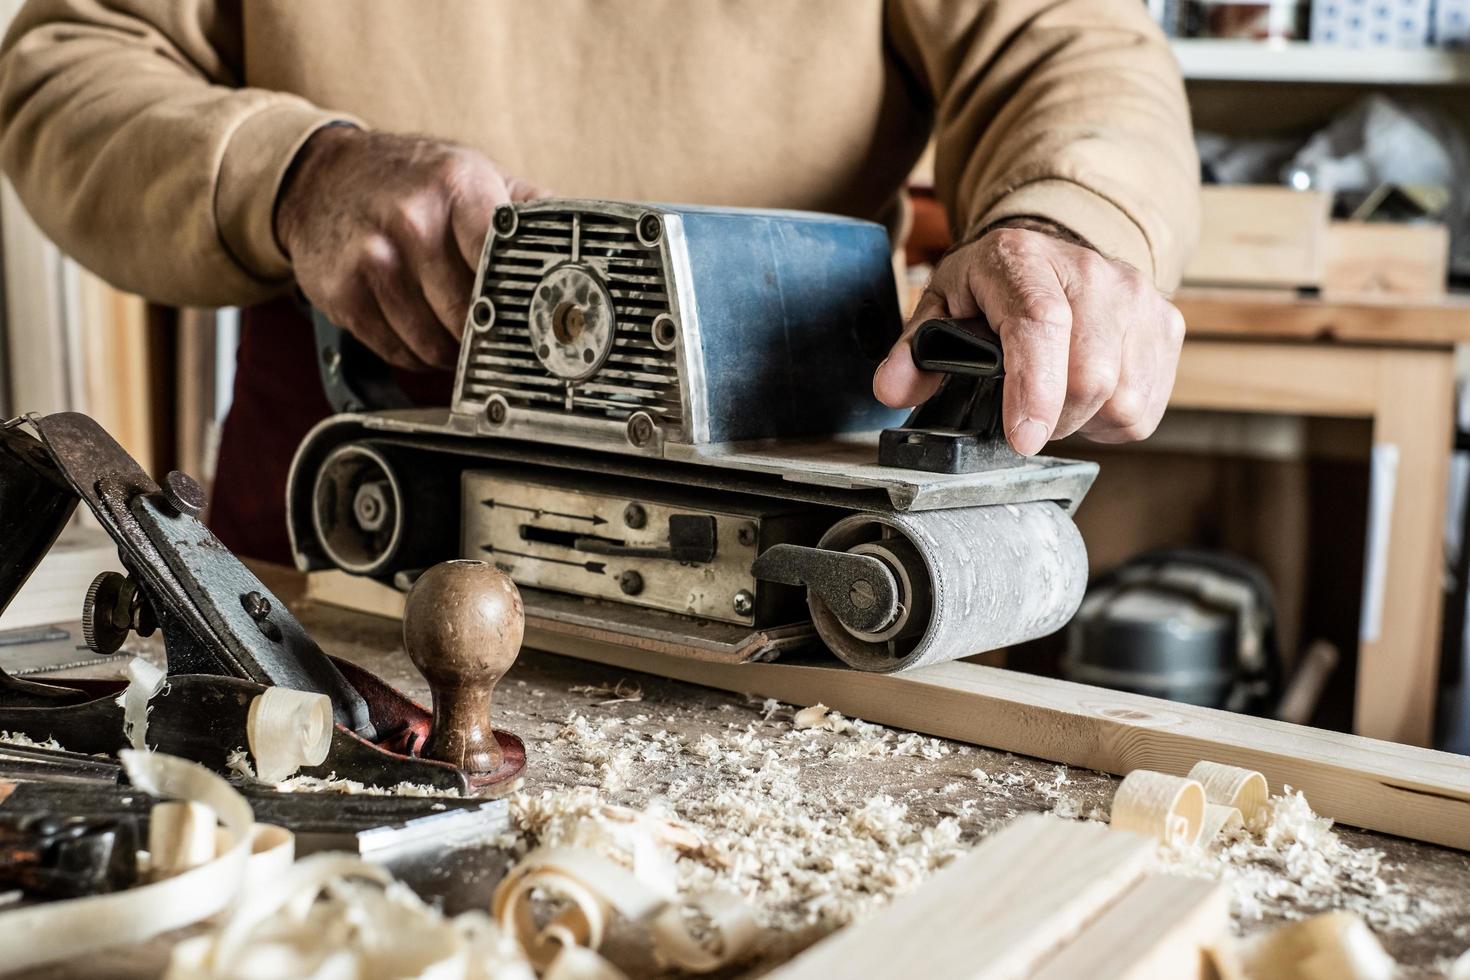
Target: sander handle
960,429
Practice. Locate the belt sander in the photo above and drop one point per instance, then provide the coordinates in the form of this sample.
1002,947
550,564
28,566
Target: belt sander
662,427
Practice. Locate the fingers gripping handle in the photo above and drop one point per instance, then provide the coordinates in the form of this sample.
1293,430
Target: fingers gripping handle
960,429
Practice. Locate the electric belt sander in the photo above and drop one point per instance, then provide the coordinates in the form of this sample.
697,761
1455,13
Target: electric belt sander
662,428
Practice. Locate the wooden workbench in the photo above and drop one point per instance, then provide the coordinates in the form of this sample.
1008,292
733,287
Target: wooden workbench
541,695
1393,363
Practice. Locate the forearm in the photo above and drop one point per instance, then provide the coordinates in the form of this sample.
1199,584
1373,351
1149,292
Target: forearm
123,135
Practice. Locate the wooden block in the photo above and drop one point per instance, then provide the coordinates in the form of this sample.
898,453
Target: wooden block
1260,236
996,913
1403,260
1162,927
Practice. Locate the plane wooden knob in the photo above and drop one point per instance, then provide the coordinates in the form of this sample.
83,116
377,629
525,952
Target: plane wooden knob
462,625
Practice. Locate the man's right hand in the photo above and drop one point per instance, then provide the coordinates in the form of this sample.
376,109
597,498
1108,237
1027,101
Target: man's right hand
384,233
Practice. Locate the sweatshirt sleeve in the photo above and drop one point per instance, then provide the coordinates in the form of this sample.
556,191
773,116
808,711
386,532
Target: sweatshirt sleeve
126,135
1068,110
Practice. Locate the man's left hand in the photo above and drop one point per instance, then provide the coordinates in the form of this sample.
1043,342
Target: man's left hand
1090,345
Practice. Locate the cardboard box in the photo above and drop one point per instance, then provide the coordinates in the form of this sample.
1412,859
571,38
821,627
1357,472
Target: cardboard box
1372,23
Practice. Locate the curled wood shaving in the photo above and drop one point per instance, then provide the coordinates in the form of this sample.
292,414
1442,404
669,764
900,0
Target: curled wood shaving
591,888
53,931
288,729
332,916
821,716
1169,808
181,835
144,681
1332,946
1231,786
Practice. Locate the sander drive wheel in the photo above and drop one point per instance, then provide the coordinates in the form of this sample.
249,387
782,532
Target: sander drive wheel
970,580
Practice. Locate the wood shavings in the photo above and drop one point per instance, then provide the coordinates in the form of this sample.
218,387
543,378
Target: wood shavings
1332,946
1293,865
287,729
238,762
591,887
1168,808
622,691
821,716
805,868
181,835
25,741
50,931
144,681
334,916
1244,790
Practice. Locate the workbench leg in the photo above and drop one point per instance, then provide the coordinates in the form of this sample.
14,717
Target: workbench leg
1398,657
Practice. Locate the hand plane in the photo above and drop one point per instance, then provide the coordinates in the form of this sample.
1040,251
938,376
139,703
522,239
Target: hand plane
662,427
227,638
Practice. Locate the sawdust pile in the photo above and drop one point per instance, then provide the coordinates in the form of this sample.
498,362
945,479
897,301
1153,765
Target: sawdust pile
1291,865
805,864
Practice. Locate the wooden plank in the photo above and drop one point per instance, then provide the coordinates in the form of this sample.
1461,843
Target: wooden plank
995,913
1281,314
1399,644
1162,927
1260,236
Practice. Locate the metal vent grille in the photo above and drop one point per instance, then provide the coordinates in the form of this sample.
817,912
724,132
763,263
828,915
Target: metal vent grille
636,376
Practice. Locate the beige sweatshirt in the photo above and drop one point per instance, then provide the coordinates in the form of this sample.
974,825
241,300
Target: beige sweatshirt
149,137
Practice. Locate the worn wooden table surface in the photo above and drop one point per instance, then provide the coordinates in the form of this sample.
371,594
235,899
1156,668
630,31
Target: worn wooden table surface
543,695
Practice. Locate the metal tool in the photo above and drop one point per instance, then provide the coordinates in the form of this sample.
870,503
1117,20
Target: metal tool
663,428
226,636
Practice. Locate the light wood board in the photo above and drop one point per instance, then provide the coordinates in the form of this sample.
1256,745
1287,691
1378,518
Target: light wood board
995,913
1162,927
1397,789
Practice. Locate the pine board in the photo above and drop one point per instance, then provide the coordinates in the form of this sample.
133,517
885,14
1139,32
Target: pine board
994,914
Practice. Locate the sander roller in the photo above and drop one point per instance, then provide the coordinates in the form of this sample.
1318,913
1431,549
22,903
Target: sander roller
662,428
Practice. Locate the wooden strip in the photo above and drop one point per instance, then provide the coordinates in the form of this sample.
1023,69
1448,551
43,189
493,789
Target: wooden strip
1281,314
1160,928
1397,789
995,913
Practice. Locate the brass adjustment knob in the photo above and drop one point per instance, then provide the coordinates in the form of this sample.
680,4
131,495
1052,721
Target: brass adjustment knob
462,624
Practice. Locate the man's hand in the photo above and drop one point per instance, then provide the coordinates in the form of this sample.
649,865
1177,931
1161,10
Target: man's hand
384,233
1090,345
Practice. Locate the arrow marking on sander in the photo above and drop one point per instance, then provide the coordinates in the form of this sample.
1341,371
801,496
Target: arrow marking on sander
595,567
593,519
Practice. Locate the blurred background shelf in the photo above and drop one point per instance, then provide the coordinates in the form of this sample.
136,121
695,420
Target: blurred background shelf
1206,59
